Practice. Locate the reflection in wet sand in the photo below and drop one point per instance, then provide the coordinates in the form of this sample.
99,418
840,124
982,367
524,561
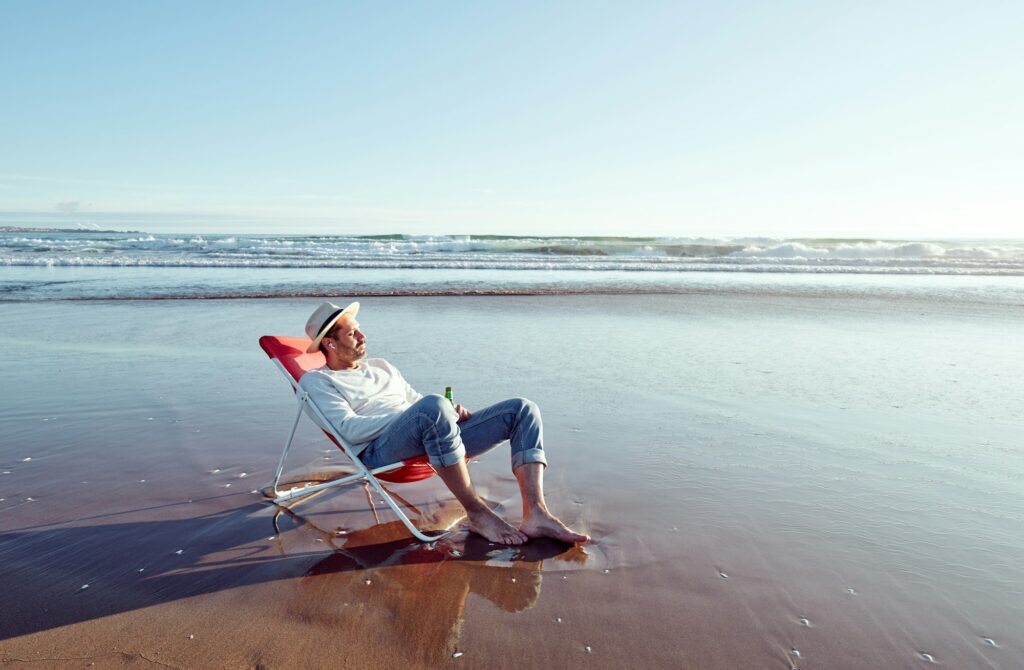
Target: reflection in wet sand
382,587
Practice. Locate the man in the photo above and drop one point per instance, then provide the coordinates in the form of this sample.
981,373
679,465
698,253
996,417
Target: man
385,420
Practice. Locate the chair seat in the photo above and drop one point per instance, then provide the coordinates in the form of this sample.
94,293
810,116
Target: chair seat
413,470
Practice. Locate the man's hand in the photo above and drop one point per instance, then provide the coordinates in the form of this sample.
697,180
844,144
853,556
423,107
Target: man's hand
463,413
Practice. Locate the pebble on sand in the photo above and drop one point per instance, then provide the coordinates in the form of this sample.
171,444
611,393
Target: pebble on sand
457,654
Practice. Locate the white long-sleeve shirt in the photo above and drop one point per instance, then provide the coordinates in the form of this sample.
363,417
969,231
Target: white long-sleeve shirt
360,403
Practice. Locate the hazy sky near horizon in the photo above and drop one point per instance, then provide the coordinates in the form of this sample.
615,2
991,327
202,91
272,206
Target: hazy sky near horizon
887,119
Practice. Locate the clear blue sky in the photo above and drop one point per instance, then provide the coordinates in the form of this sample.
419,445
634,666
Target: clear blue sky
887,119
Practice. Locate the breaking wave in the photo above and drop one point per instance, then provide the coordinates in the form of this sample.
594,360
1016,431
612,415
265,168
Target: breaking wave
88,249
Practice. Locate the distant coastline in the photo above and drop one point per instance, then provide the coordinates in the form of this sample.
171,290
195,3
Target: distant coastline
40,229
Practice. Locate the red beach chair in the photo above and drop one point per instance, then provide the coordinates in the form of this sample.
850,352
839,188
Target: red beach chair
290,357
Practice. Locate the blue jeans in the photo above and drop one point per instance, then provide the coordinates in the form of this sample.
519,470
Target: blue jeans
431,426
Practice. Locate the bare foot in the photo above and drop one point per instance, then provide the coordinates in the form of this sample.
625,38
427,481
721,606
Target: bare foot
548,526
491,526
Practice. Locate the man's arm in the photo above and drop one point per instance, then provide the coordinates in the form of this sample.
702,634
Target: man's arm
352,428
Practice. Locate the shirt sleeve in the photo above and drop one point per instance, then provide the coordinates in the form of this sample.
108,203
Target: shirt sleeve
356,430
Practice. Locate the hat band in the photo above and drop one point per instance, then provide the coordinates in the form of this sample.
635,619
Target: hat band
327,321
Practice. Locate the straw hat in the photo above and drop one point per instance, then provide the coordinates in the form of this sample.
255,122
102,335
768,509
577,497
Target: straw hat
323,319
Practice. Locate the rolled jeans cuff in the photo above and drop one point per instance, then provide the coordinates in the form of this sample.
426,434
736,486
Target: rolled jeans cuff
447,458
528,456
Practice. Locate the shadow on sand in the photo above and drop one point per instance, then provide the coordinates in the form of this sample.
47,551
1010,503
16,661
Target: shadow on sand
54,576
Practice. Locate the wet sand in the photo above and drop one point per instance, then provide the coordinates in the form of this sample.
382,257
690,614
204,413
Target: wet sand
770,483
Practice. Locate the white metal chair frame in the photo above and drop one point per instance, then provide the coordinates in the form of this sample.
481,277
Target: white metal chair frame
362,474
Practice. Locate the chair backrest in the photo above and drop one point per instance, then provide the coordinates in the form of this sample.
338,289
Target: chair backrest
291,353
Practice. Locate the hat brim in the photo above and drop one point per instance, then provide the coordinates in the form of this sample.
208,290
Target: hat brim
351,310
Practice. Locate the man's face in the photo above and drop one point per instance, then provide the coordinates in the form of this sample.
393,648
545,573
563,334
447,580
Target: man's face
349,342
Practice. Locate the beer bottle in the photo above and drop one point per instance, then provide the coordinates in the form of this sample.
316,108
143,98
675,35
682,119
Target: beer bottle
448,394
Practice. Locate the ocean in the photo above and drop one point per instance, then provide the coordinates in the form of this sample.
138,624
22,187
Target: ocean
104,265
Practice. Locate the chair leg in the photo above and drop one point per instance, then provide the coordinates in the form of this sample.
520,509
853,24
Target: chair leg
419,535
287,446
